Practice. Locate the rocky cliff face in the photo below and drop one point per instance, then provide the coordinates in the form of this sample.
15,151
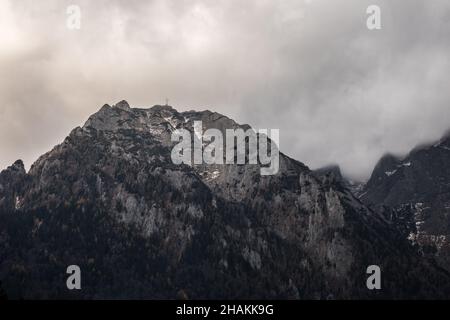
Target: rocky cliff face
110,200
11,180
414,193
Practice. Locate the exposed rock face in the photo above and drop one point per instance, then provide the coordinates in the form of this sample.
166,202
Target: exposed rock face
12,181
110,200
414,193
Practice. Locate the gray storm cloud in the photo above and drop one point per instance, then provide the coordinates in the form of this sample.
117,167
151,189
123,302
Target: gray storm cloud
338,92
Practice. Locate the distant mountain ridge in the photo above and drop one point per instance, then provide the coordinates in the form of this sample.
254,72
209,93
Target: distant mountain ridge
414,192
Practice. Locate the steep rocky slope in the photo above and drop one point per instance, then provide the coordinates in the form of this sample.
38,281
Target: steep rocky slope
110,200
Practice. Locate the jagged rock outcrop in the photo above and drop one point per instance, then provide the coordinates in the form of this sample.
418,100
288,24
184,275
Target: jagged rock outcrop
110,200
334,172
12,181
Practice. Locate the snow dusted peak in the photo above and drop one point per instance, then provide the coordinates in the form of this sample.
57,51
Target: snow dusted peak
165,113
212,120
334,170
160,120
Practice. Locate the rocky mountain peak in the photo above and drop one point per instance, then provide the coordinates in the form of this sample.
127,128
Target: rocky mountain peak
17,169
122,105
331,170
18,166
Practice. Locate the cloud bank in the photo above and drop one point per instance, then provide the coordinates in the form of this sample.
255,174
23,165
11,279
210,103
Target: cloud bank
338,92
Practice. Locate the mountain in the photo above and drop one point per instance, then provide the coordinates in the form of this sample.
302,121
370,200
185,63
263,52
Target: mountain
334,171
414,193
110,200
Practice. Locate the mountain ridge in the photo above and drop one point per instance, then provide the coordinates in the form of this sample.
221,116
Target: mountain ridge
414,192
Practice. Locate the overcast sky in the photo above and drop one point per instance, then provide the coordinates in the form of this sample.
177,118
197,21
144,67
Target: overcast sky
339,92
